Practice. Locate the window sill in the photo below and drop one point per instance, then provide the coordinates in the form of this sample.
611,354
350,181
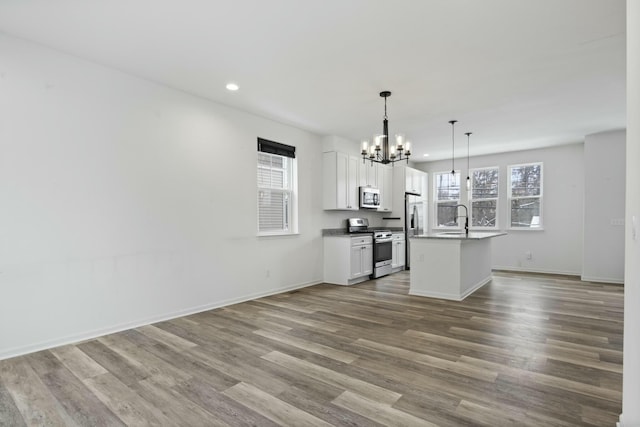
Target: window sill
277,234
525,228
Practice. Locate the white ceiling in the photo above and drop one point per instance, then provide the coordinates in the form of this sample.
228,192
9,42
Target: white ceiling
517,73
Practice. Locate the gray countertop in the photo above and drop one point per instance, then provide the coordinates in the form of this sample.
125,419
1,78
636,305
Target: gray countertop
455,235
328,232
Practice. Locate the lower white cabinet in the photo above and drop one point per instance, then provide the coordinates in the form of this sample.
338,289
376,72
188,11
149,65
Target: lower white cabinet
348,259
361,257
398,254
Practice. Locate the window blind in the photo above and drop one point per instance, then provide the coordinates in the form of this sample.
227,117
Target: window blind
275,176
272,147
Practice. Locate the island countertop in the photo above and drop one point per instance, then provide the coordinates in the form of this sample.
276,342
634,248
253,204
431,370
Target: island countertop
460,235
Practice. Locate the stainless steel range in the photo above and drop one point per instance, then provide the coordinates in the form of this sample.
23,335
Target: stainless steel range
358,225
382,252
382,245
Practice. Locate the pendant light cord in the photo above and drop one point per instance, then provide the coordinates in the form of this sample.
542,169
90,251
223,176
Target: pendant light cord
453,146
468,135
468,167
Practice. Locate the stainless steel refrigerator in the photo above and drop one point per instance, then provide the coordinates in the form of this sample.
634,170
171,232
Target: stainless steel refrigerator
414,221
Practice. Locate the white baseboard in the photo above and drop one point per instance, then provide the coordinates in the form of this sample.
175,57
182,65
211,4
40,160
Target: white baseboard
602,280
561,272
440,295
451,296
476,287
535,270
57,342
349,282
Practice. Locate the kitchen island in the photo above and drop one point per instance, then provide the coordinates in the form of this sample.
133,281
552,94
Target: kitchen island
450,265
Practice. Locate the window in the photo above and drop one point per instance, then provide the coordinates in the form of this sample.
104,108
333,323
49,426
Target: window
525,196
276,188
484,197
446,197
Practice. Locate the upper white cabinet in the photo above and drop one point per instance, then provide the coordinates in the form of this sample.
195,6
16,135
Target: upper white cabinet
340,181
370,174
386,188
415,181
353,194
344,174
407,180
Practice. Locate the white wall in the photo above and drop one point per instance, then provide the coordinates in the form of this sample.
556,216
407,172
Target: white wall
631,374
557,248
123,202
604,193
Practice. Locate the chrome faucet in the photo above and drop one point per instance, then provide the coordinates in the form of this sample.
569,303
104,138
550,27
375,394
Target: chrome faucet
466,218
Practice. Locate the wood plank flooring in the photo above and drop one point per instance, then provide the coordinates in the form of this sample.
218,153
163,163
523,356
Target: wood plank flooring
526,349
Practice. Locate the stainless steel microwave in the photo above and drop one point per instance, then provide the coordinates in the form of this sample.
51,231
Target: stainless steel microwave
369,197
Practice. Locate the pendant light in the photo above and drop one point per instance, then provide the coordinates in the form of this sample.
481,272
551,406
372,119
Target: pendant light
390,153
468,170
453,146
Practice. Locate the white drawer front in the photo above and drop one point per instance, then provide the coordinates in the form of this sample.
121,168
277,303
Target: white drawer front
361,240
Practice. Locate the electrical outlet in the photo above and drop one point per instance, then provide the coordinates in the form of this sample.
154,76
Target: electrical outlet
529,255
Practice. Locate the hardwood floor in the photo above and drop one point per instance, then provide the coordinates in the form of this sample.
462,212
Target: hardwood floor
523,350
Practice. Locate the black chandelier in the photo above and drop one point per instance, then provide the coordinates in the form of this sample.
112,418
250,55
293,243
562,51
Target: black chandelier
379,150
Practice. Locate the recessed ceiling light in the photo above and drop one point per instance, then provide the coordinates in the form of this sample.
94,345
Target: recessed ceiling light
426,155
232,87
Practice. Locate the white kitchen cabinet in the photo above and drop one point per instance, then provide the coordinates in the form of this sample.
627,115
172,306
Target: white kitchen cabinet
340,181
348,259
406,179
369,174
386,188
398,255
361,259
353,194
415,181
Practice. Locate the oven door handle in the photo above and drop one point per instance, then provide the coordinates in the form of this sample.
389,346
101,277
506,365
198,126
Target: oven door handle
385,240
